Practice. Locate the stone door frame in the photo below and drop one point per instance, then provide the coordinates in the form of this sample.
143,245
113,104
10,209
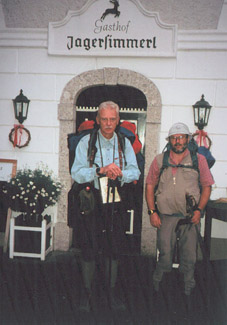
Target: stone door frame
67,118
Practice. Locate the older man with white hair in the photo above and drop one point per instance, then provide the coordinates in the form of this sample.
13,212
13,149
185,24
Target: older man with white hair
103,229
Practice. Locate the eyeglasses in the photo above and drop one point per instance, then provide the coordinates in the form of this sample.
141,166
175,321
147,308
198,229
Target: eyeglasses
111,120
180,137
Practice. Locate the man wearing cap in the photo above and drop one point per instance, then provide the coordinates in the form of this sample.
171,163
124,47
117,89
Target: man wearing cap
166,199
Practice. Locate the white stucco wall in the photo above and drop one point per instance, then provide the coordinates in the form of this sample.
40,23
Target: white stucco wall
189,15
199,68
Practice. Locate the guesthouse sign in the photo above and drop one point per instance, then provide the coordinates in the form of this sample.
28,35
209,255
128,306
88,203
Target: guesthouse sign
112,28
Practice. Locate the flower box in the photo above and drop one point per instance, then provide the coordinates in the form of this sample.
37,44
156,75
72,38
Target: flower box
31,237
29,193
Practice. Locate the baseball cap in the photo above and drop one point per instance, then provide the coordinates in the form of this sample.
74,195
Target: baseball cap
179,128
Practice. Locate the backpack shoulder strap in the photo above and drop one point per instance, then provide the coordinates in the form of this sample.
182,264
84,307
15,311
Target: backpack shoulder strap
194,158
121,148
92,149
165,162
121,139
193,148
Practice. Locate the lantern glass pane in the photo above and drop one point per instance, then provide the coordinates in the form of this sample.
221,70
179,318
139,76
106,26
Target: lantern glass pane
25,110
19,108
196,115
202,111
207,115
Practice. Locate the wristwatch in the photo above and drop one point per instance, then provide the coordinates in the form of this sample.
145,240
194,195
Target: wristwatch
98,171
150,211
198,210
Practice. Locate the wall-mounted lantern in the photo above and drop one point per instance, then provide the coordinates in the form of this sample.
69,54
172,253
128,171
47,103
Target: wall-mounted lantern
201,111
21,104
19,135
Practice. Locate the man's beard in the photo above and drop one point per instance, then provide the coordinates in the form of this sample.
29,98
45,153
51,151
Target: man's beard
179,151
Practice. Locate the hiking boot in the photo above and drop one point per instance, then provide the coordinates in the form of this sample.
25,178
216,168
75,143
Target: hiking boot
115,302
156,285
85,300
188,289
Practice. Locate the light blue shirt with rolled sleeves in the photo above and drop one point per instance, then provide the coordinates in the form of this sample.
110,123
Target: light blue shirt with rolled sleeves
81,171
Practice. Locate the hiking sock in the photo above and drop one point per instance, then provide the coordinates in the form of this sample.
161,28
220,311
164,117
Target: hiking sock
111,270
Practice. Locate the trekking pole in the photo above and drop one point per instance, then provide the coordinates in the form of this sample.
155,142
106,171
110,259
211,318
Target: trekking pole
176,248
191,204
191,207
111,186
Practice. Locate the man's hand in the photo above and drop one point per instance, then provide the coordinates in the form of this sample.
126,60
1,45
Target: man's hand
155,220
196,217
112,171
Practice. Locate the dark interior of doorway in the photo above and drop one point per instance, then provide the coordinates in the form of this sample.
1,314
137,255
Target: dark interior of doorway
124,96
133,99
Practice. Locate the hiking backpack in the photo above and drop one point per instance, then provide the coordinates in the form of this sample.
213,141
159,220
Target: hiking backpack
81,200
89,127
193,149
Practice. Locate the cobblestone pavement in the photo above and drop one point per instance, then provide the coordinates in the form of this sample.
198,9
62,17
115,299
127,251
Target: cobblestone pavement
47,292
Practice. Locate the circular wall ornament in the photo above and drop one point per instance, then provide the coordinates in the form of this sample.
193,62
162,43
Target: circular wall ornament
19,136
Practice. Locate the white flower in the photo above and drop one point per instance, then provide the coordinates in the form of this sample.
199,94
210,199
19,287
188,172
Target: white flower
23,192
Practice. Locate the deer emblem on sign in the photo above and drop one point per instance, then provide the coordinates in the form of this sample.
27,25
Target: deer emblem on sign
114,11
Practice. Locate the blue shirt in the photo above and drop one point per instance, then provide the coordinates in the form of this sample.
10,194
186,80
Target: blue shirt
81,171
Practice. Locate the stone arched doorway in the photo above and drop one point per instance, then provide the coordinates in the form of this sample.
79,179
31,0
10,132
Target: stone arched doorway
67,118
